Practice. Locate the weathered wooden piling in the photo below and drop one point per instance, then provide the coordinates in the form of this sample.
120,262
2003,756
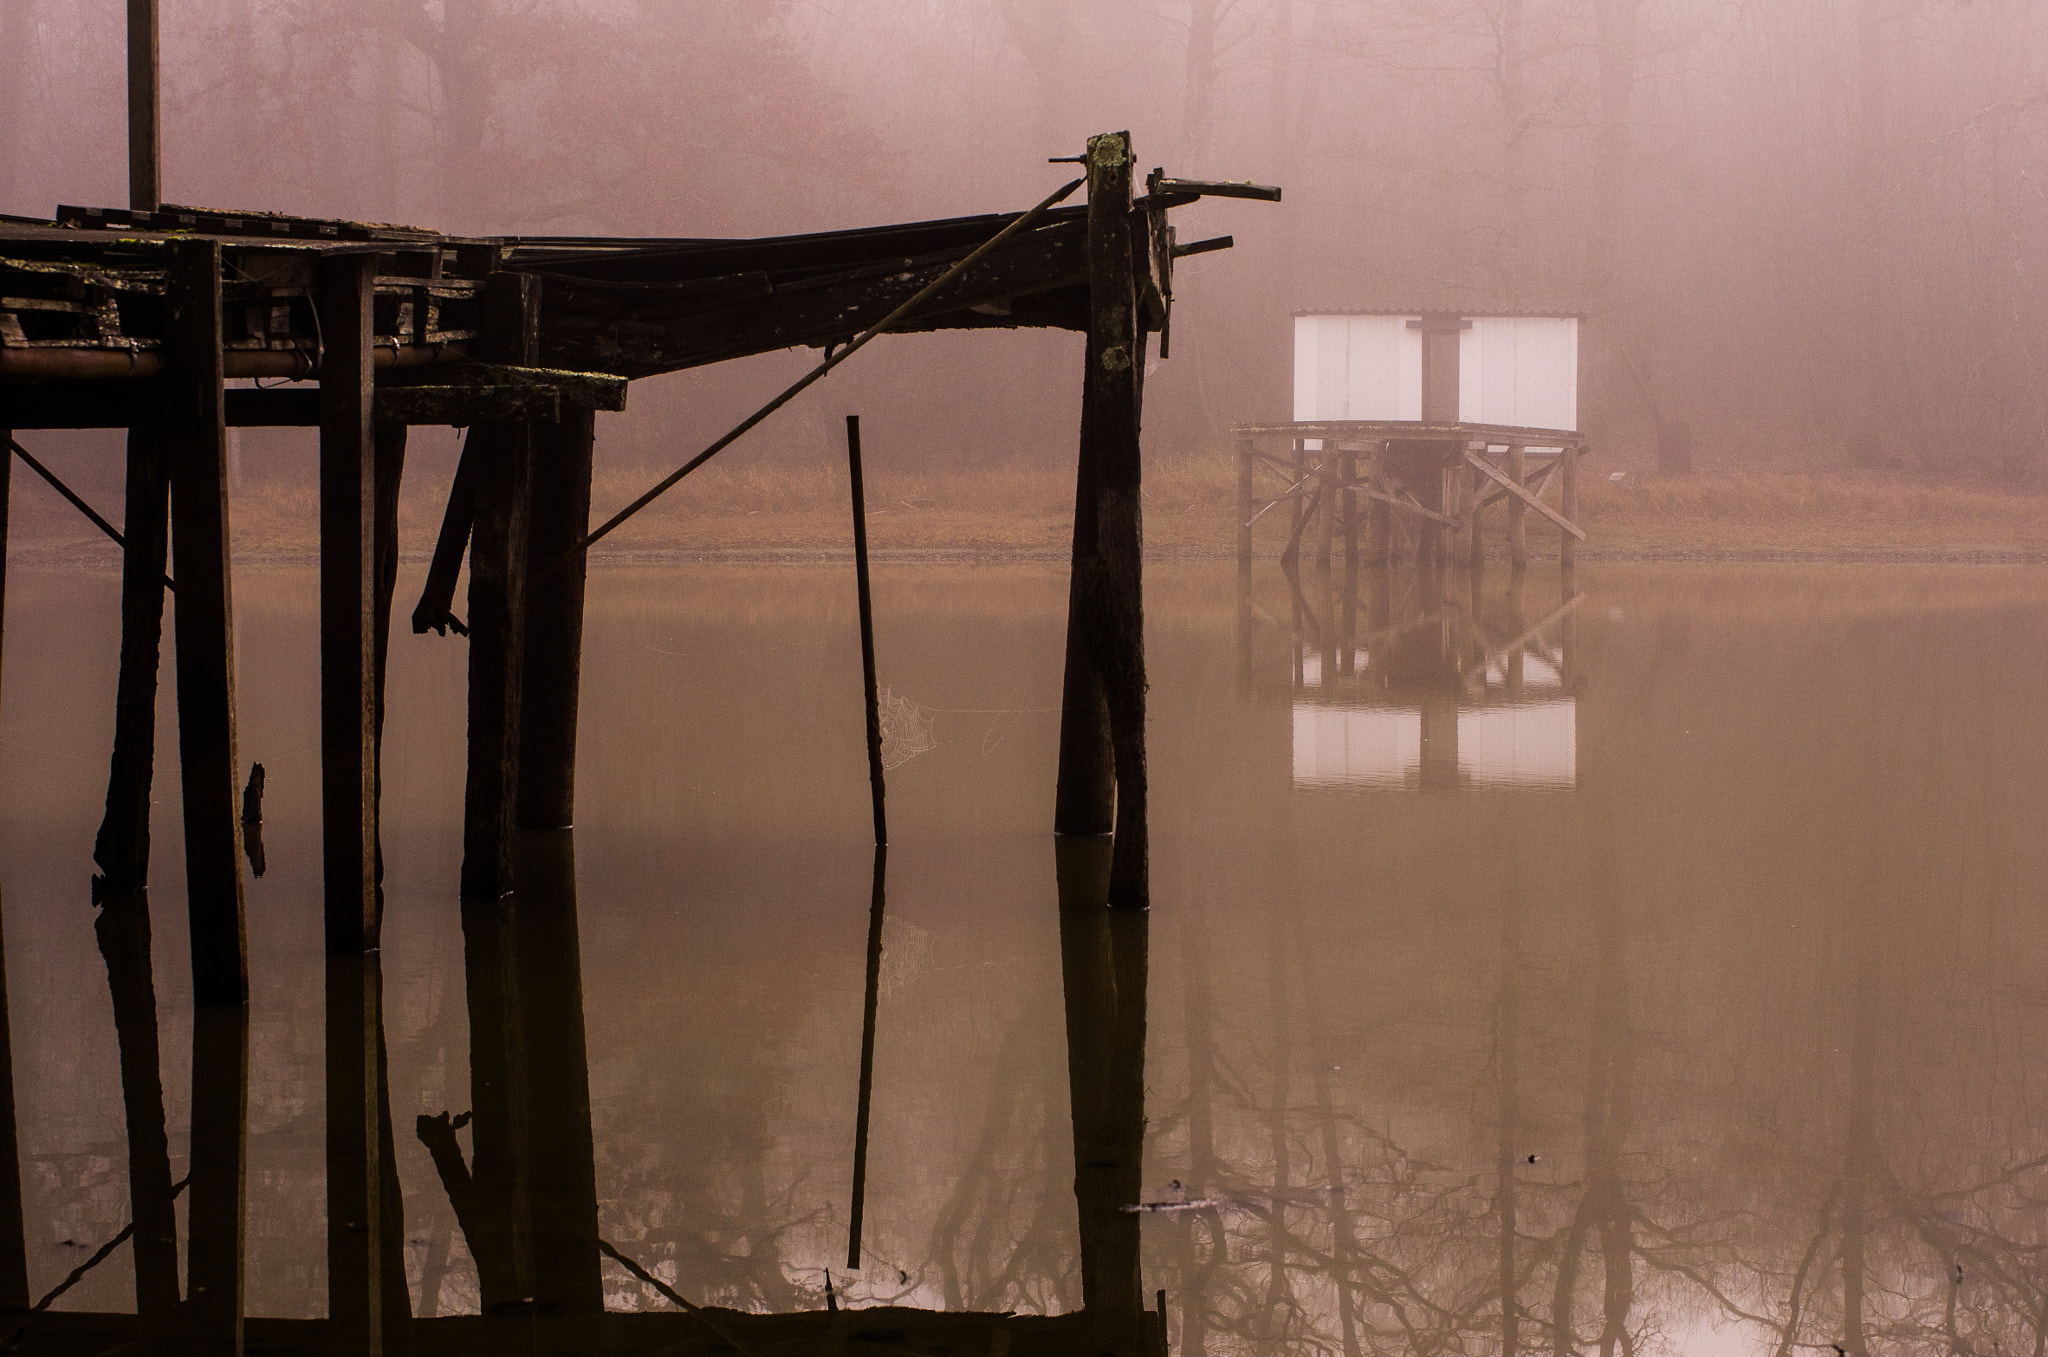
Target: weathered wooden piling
197,457
145,122
122,846
348,595
560,517
1102,728
1382,513
390,473
502,495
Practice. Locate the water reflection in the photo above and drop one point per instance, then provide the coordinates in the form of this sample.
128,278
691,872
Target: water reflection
1441,690
1728,1051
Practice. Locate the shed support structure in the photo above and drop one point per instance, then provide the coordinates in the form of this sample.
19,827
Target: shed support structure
554,620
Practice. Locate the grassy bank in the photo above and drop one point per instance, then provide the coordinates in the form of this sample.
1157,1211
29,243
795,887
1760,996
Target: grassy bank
751,511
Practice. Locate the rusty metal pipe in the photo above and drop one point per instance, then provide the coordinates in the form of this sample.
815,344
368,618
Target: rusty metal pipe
45,365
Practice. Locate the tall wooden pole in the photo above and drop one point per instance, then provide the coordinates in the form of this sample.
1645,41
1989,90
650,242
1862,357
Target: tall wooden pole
206,640
562,463
877,790
1102,777
876,908
13,1237
497,600
122,847
145,100
348,703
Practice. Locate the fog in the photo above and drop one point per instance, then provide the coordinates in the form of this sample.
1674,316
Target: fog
1813,229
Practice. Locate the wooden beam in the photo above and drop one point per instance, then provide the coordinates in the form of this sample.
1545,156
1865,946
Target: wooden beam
1487,469
207,759
347,594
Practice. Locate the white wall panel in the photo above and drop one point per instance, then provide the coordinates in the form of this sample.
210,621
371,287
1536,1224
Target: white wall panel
1519,370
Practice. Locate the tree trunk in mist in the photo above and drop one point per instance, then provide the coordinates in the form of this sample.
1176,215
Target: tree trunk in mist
461,64
1866,423
1514,100
17,63
1615,23
1198,110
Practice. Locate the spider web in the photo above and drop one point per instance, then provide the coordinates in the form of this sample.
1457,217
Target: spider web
906,729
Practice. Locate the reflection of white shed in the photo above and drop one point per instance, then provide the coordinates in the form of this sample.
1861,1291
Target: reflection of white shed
1504,370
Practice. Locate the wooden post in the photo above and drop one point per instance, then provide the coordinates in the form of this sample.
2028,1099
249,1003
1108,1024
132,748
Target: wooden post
145,133
348,590
1347,465
218,1216
355,1233
1471,485
1518,525
124,940
1326,521
207,761
1102,731
1567,545
1382,520
122,847
497,600
1245,465
554,619
390,475
877,786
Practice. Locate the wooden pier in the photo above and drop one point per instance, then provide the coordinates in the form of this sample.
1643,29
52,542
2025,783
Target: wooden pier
169,322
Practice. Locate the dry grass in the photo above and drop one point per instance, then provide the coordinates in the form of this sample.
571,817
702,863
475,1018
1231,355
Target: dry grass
751,509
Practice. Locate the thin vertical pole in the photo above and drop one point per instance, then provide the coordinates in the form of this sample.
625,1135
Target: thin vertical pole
1347,467
1382,512
876,789
145,132
876,907
348,533
206,638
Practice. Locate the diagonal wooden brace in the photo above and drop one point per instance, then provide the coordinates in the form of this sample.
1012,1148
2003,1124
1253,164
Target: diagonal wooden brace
1488,469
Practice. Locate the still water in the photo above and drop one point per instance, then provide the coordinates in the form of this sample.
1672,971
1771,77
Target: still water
1672,960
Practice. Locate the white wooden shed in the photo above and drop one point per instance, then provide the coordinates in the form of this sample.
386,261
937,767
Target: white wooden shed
1520,370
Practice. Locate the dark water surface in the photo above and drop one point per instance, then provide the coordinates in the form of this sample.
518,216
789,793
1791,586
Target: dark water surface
1694,982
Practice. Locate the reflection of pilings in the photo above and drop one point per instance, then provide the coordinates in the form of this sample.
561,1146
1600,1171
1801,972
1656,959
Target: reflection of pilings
123,932
217,1222
1201,1046
557,1153
1858,1156
1508,1081
368,1304
122,848
1440,738
867,1058
1103,970
493,1188
13,1240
